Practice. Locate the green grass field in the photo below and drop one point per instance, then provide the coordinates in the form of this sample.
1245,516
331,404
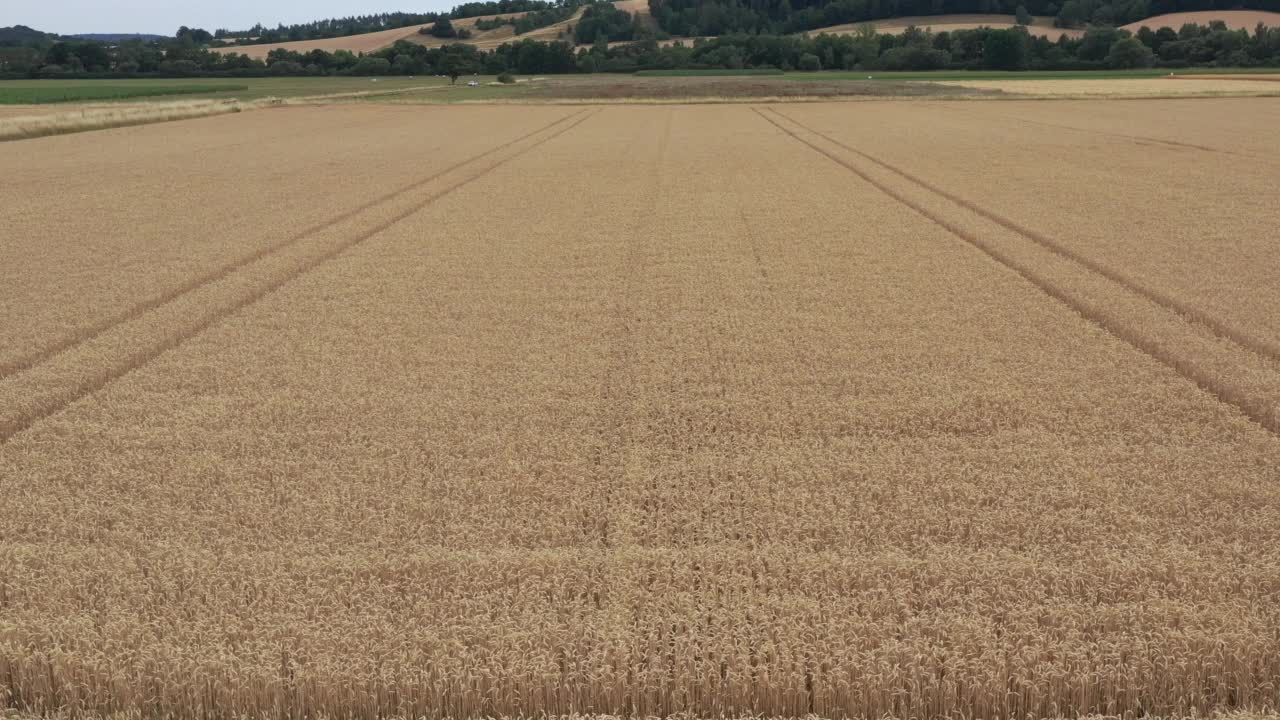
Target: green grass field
38,92
24,92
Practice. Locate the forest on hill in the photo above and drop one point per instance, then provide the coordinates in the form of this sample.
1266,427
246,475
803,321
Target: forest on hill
1099,48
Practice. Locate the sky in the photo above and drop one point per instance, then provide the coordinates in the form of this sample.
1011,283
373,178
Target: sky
164,17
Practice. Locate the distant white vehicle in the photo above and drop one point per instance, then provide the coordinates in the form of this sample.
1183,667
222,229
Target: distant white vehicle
473,83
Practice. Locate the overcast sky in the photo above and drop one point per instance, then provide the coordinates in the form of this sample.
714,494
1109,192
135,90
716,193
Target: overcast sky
163,17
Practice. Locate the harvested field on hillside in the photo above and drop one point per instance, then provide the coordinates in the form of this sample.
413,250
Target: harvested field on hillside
1040,26
866,409
1234,19
366,42
490,39
483,39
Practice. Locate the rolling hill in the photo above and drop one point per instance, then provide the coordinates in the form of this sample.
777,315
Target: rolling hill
22,35
1043,26
483,39
370,42
489,39
366,43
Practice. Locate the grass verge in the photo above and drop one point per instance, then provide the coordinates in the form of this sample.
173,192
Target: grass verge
106,117
91,91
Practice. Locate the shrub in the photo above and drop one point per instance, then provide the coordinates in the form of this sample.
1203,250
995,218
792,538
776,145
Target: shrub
506,78
809,63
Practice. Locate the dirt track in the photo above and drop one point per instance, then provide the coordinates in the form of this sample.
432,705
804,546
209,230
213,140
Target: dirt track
827,409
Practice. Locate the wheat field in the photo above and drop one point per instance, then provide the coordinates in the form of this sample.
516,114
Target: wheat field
866,409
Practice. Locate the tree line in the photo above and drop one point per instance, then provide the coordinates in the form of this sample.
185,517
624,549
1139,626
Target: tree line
695,18
1100,47
321,29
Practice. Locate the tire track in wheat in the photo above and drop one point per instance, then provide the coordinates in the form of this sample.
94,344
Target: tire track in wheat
617,436
1142,139
45,407
1138,139
79,337
1256,409
1222,329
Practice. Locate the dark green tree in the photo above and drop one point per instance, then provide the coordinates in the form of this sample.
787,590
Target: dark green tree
1097,43
1073,14
1006,49
603,19
454,65
1129,53
443,28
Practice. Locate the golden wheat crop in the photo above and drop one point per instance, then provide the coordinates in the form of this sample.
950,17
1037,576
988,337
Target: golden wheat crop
701,410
